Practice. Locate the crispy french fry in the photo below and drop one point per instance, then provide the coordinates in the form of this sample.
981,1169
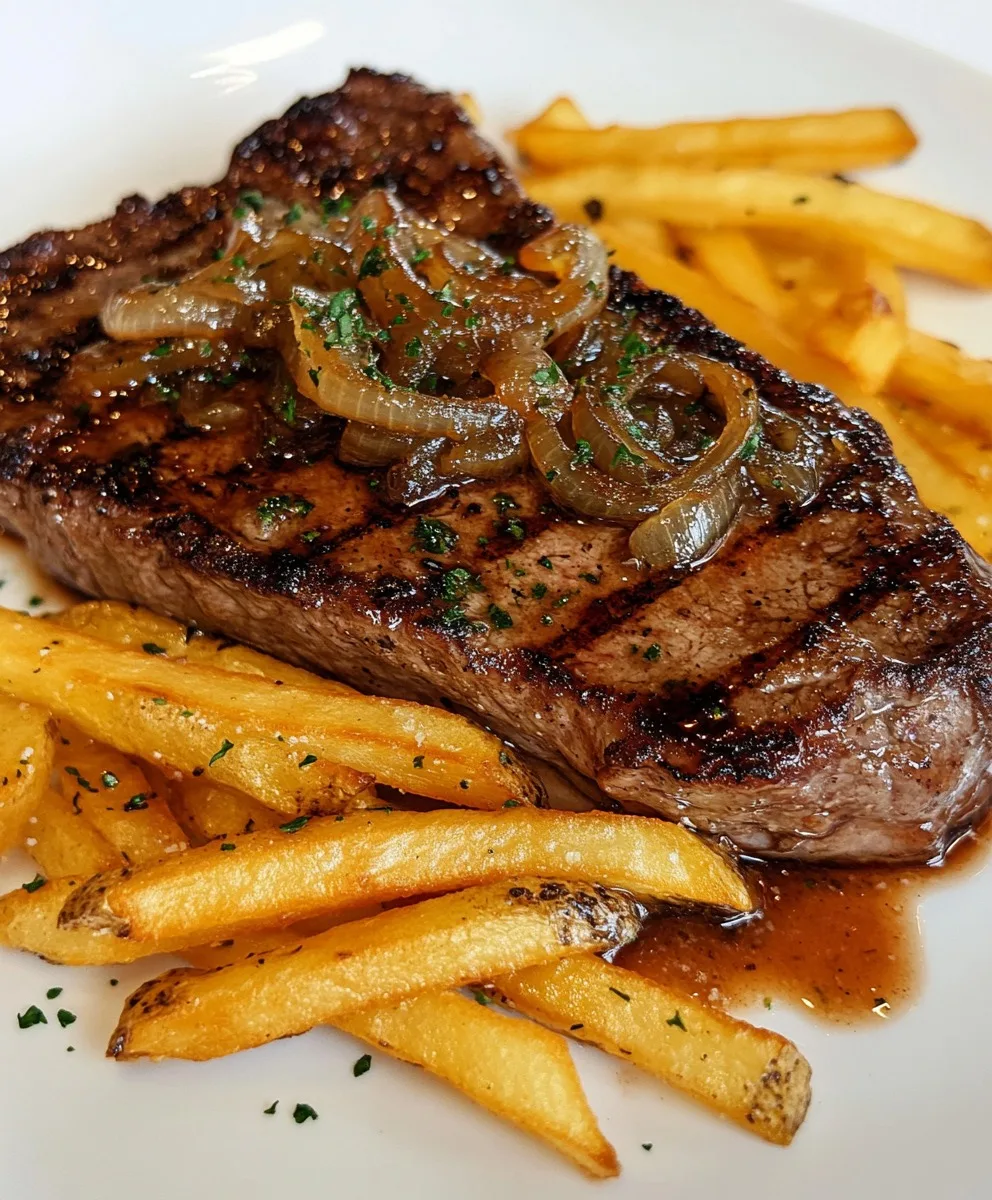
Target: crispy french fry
265,879
752,1075
961,386
140,629
27,750
62,842
254,736
943,489
435,944
29,921
815,142
208,810
909,232
960,451
730,257
115,797
515,1069
561,113
652,234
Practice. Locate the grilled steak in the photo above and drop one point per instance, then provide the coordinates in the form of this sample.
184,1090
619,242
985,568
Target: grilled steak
820,689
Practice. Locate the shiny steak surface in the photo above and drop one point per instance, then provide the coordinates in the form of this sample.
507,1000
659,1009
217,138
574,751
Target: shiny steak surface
820,689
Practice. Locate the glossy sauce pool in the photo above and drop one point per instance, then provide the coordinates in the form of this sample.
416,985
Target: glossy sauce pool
844,943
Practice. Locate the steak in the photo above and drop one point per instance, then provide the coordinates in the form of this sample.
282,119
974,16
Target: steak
819,689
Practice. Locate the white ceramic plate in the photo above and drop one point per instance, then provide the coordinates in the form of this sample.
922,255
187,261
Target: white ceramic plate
134,97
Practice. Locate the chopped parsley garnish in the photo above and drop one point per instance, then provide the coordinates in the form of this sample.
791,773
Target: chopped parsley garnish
646,1145
161,350
589,577
419,255
750,447
677,1021
503,501
31,1016
539,591
310,535
293,215
481,997
593,208
252,199
314,373
434,536
622,995
109,779
463,784
373,263
160,700
515,528
336,208
418,761
138,801
653,652
511,804
499,617
295,825
369,224
228,846
414,348
633,347
546,563
35,601
767,1002
458,582
504,759
39,881
547,376
152,648
303,1112
288,409
546,620
583,453
270,1111
624,457
472,321
378,376
65,1017
224,747
274,508
52,993
446,295
362,1065
308,760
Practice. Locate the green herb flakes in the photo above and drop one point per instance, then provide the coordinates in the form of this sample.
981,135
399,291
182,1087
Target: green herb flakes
39,881
225,746
65,1017
295,825
499,617
31,1016
434,536
677,1021
303,1112
362,1065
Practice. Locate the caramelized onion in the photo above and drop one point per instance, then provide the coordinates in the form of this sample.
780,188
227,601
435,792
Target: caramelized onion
366,446
334,380
689,529
161,312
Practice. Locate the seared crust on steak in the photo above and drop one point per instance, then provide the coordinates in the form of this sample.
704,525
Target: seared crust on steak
820,689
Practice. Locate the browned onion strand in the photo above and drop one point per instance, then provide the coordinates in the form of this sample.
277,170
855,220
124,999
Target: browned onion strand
434,349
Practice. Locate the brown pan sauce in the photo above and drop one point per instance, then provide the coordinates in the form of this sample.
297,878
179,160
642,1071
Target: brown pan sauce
844,943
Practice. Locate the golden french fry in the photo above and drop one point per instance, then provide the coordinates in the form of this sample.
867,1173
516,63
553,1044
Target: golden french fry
279,745
209,811
29,921
515,1069
435,944
63,842
909,232
265,879
730,257
115,797
751,1075
943,489
27,750
815,142
471,107
960,386
651,234
960,451
140,629
561,113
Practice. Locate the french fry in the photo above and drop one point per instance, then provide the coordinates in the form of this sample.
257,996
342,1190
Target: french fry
652,234
441,943
27,750
961,386
29,921
515,1069
115,797
254,736
751,1075
731,259
561,113
261,880
140,629
207,810
909,232
62,842
815,142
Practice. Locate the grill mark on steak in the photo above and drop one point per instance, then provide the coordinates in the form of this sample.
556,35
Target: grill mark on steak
822,687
